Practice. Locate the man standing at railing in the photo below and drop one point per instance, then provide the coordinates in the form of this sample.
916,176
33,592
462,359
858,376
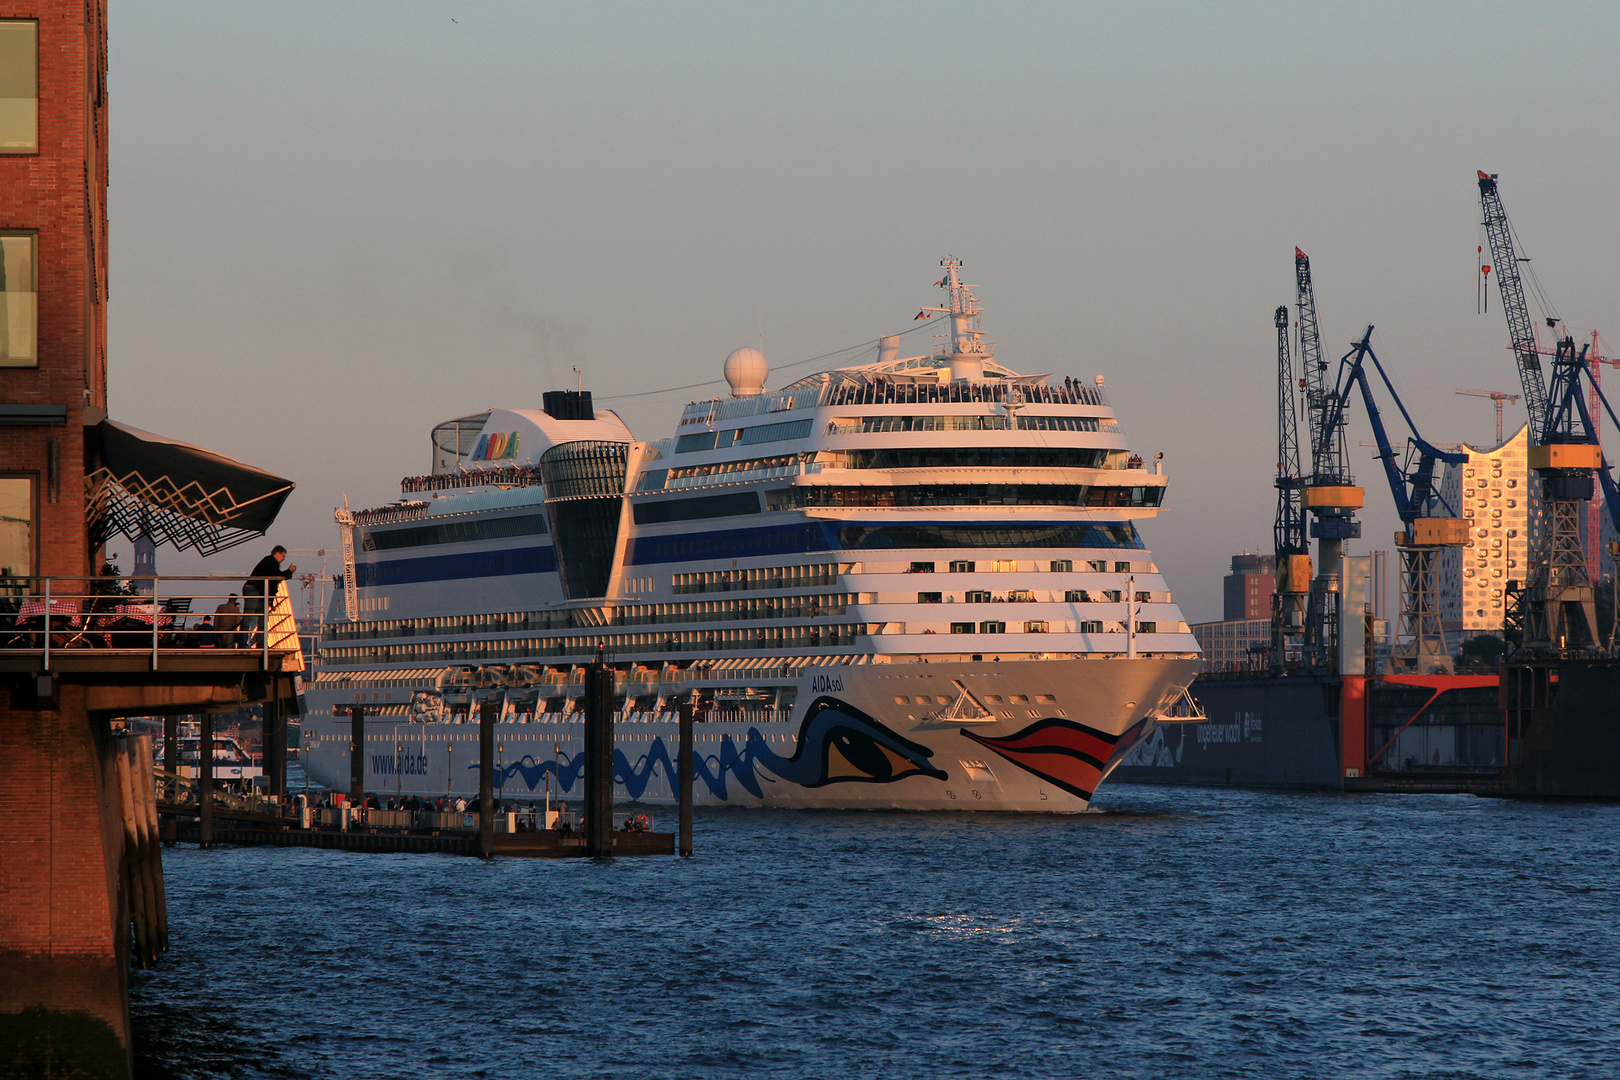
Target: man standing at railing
253,590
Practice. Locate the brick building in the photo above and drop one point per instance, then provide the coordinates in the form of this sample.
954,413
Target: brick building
1249,586
65,887
62,941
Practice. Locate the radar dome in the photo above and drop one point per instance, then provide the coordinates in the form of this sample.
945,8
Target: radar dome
746,370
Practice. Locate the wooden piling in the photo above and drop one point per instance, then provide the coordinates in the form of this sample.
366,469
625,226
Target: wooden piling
598,759
357,755
154,849
488,715
134,883
683,767
139,781
205,780
275,748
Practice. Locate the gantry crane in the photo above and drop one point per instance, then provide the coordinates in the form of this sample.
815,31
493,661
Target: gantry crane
1498,397
1292,549
1521,330
1428,524
1331,494
1554,607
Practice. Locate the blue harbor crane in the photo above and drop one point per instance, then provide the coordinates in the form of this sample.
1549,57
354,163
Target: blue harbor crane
1554,608
1292,548
1331,494
1428,524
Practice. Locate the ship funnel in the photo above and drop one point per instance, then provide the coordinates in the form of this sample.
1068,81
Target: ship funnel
888,348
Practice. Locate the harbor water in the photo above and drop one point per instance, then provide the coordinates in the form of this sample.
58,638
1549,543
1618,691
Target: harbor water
1170,933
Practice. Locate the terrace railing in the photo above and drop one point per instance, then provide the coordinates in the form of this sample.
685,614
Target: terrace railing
46,617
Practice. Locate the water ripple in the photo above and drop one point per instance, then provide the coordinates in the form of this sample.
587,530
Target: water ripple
1174,934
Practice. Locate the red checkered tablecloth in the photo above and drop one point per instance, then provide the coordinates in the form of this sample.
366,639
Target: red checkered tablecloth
58,607
145,613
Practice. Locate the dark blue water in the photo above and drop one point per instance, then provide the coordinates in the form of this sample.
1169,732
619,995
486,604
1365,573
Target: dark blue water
1178,933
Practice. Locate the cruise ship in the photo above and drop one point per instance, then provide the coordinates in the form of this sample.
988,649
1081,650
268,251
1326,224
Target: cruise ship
915,583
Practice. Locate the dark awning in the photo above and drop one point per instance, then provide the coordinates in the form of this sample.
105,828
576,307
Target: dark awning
176,493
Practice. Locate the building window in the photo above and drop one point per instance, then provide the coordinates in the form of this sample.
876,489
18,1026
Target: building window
16,526
19,298
19,86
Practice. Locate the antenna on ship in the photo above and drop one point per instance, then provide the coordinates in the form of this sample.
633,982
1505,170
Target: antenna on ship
968,351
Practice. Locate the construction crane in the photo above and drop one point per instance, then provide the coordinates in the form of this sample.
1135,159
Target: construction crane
1521,330
1428,524
1331,494
1554,608
1292,548
1498,397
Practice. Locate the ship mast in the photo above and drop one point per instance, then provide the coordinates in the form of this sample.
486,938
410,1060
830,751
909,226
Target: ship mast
968,349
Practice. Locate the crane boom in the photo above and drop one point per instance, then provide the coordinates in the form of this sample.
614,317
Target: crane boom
1327,439
1289,530
1521,329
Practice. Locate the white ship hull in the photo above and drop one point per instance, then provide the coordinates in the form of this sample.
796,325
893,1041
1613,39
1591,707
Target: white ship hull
859,740
913,584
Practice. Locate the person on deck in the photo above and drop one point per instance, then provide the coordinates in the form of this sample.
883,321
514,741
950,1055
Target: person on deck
227,618
253,590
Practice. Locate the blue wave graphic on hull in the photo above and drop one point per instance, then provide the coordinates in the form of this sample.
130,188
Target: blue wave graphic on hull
837,743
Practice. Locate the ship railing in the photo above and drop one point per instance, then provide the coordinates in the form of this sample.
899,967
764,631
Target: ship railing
163,617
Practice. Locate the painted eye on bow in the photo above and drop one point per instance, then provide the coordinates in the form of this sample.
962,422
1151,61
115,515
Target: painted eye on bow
841,744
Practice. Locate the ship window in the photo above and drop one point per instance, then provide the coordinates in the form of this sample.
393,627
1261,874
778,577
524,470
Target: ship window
654,513
880,537
977,596
975,458
1091,626
454,532
1147,628
1122,568
961,628
930,598
698,440
992,627
1099,565
1035,626
1062,566
1003,566
19,287
921,568
19,86
1075,596
962,566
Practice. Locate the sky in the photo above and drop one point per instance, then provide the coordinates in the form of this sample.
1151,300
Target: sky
335,225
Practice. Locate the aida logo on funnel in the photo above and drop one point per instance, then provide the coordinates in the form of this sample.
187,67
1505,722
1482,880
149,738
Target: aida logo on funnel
496,447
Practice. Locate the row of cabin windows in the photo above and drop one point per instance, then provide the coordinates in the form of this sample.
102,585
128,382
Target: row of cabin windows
1010,566
756,637
1027,596
1039,626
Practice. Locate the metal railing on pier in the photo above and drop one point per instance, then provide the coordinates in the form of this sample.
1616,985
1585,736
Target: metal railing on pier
171,617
